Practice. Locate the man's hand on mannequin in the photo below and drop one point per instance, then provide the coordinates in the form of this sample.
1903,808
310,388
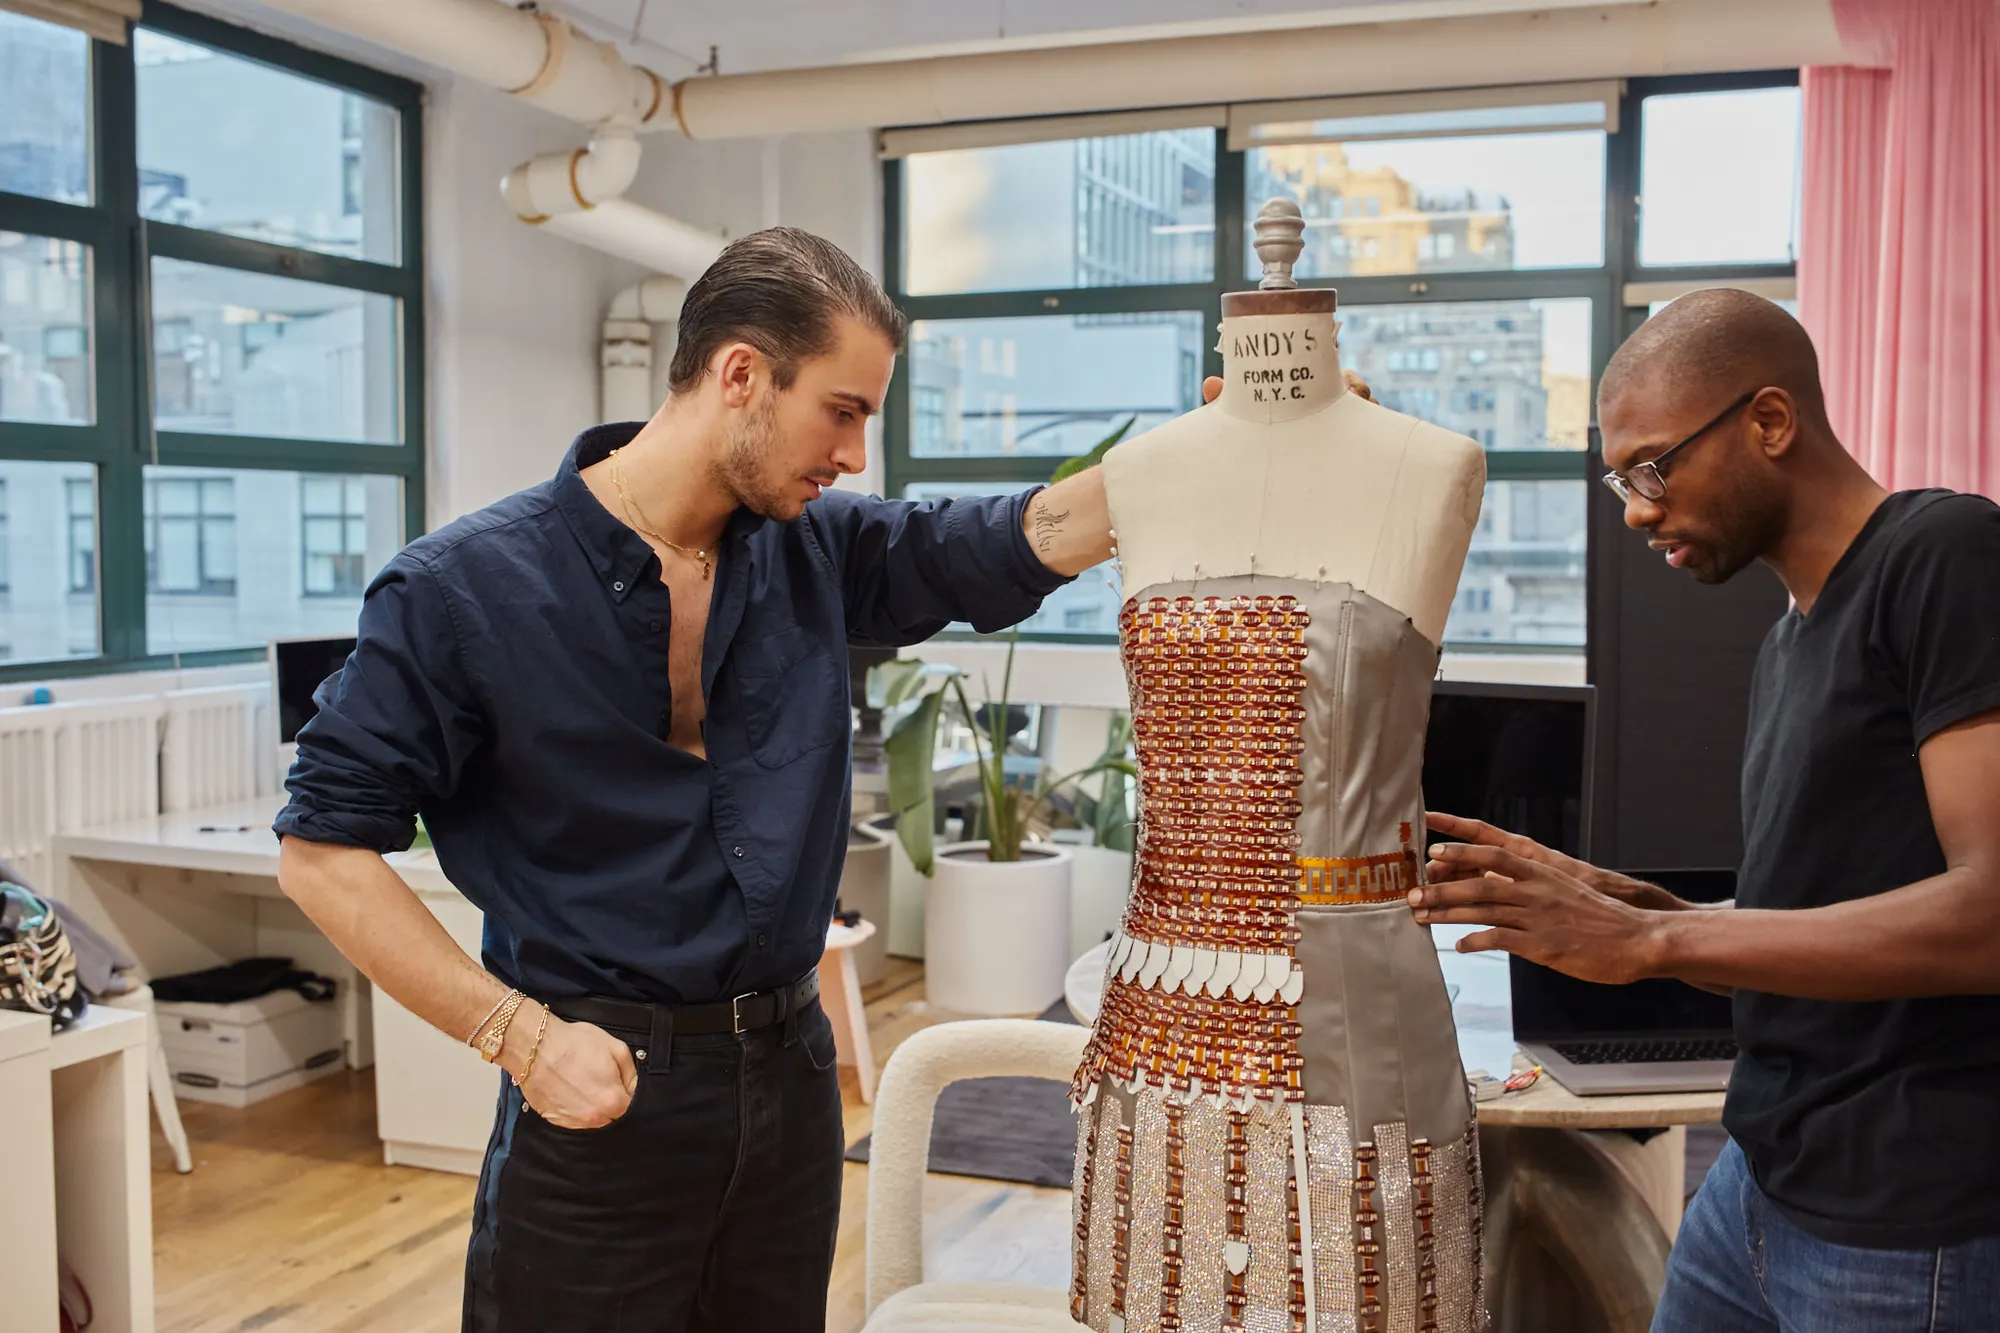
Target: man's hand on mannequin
1069,523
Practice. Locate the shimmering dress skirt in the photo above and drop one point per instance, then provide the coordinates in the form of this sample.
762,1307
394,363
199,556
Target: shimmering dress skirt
1273,1127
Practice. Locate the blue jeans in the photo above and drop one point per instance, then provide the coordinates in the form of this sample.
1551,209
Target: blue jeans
1739,1266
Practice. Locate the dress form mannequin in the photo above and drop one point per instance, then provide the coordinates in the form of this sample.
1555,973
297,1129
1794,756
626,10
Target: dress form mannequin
1274,1130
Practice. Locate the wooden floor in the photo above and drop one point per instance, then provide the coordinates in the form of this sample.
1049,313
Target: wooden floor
291,1224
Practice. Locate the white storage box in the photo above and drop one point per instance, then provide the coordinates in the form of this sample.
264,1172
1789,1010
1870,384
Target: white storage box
237,1054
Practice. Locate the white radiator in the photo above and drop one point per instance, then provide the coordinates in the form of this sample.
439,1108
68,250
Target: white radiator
107,761
210,754
28,791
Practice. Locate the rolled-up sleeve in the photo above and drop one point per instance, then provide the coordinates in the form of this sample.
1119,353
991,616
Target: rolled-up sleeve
909,569
394,727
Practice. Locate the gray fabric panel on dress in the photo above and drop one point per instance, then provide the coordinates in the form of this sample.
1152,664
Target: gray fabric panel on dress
1377,1029
1367,700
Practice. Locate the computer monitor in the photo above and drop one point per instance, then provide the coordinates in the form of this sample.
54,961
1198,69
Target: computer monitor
1517,756
298,667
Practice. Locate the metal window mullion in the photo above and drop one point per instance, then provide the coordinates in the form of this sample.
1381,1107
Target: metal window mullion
1060,301
1496,285
258,452
220,250
413,323
122,339
34,442
87,224
1003,468
1537,465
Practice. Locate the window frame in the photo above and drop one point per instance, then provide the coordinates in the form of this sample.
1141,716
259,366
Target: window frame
121,442
340,518
1608,286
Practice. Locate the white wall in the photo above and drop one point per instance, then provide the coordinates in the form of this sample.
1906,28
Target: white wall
514,312
829,184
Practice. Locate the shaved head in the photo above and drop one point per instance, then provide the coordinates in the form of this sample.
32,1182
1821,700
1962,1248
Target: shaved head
1713,343
1728,384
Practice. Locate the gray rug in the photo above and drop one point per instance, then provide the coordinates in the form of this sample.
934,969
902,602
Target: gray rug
1015,1129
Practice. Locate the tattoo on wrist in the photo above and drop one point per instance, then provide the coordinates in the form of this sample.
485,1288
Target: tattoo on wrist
1047,527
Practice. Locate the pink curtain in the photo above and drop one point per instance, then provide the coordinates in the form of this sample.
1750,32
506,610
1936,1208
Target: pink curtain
1899,264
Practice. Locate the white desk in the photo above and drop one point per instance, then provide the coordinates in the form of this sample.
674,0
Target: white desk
73,1115
178,898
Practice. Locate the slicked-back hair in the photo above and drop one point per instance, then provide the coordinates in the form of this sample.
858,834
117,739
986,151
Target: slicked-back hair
783,291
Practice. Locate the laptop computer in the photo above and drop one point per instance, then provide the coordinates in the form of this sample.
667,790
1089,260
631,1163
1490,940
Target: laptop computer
1650,1036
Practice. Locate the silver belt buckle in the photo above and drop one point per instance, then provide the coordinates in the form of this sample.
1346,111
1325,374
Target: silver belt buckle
736,1027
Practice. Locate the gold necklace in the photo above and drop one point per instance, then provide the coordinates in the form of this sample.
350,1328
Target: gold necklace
636,517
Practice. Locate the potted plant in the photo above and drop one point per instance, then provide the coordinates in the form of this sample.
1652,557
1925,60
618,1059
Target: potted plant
997,921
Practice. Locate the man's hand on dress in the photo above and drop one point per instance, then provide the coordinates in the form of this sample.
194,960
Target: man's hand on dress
1539,911
1626,889
583,1078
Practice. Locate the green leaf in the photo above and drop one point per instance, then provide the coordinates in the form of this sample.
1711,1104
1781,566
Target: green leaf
1084,462
908,753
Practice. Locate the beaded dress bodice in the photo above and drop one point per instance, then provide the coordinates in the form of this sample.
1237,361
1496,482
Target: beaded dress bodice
1274,1132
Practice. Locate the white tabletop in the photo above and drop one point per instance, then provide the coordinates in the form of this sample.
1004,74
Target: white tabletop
231,839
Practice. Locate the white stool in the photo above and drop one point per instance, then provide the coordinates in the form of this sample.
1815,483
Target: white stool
140,1000
840,996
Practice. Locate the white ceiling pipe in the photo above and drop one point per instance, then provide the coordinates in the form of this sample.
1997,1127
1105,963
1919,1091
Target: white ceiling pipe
565,182
1547,46
626,352
628,230
538,57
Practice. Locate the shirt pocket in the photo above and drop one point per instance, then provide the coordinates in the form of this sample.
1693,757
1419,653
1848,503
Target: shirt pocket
792,702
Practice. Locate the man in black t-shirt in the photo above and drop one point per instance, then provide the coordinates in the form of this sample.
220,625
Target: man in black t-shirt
1861,1190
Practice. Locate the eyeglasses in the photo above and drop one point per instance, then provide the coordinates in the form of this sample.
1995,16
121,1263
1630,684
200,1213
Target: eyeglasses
1647,479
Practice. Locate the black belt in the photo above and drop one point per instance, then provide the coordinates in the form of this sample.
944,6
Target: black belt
758,1009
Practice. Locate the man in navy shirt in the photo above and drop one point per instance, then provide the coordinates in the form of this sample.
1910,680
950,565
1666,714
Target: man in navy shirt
1860,1192
619,701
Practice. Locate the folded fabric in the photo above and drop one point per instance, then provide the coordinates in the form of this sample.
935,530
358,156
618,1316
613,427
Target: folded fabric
244,979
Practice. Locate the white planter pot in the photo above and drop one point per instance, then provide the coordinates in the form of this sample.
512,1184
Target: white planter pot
1100,880
864,887
997,933
906,893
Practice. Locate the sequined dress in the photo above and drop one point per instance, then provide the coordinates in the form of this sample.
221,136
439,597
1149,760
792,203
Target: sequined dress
1273,1129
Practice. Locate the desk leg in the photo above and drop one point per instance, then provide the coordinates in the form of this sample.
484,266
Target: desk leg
104,1200
28,1256
840,995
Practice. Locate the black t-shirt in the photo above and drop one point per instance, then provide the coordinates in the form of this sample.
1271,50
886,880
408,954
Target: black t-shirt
1871,1124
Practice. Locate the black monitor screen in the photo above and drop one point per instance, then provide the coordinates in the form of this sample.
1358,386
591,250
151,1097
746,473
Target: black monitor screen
1514,756
1549,1005
302,665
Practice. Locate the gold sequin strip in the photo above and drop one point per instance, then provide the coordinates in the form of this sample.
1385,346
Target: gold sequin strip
1330,1176
1399,1266
1170,1040
1476,1217
1104,1209
1268,1281
1235,1209
1173,1229
1144,1236
1079,1209
1367,1240
1204,1196
1342,881
1217,715
1122,1222
1425,1213
1455,1225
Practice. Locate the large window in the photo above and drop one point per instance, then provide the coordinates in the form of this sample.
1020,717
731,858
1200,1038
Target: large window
1490,248
210,320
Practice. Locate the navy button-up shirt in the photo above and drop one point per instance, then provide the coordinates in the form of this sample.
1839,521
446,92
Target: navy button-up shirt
510,683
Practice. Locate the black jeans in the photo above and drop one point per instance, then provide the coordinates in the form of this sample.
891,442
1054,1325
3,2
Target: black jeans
711,1204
